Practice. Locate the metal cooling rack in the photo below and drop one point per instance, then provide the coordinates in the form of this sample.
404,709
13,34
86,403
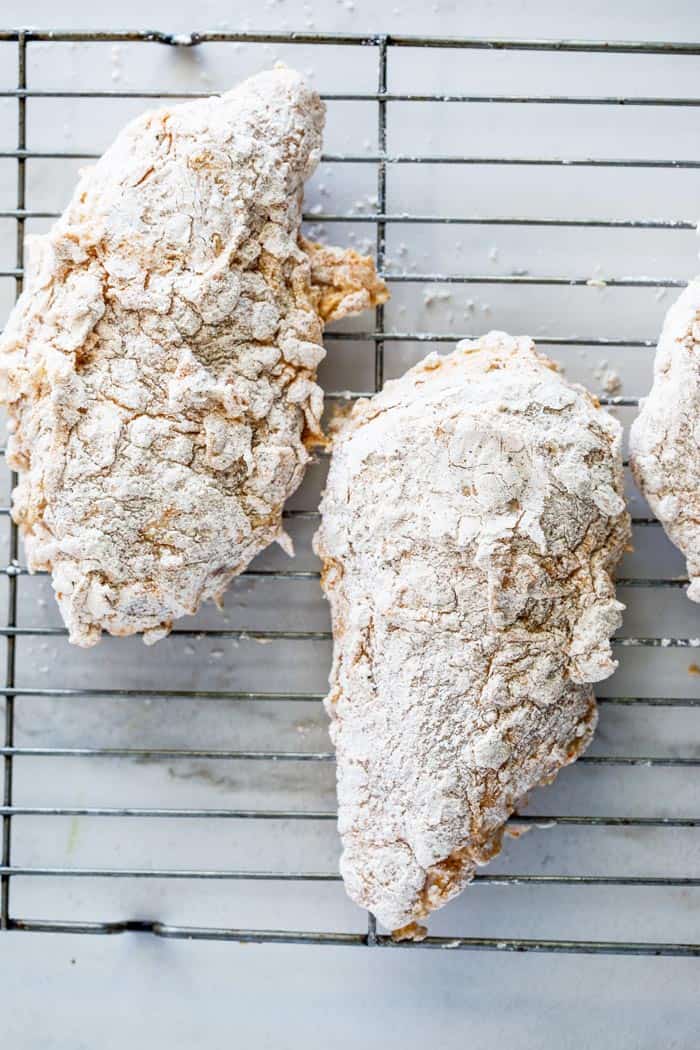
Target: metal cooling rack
383,46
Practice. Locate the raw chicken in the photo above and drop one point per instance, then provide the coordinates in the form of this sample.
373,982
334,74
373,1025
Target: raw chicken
665,436
159,369
471,522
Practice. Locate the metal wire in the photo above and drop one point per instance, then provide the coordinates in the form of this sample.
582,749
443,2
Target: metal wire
386,96
408,158
14,545
444,220
222,694
382,98
287,756
488,278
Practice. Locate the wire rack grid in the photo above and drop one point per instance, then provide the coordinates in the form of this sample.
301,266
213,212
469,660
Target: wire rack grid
17,693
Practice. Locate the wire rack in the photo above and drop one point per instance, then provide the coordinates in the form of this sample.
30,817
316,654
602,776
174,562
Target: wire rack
379,337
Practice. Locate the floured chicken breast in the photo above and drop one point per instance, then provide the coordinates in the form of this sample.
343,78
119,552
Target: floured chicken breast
159,369
471,522
665,436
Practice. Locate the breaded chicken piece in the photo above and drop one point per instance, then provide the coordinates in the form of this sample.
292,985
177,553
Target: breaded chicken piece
159,370
472,519
665,436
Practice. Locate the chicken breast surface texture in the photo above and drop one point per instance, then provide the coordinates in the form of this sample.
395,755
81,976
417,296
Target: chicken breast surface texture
665,436
159,369
471,522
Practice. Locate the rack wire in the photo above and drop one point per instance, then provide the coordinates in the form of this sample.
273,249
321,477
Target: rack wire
379,335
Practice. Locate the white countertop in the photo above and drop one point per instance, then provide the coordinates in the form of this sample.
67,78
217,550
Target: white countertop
64,992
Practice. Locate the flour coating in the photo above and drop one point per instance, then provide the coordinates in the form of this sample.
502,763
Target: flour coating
160,368
665,436
472,519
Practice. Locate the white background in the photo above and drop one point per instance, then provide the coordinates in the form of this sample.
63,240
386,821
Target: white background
73,992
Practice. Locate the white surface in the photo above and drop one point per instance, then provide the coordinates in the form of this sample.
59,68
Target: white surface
176,994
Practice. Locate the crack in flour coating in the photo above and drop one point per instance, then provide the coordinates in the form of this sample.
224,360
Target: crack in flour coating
159,369
472,519
665,436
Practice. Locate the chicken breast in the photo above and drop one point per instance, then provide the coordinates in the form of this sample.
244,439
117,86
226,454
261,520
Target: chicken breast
471,522
159,369
665,436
